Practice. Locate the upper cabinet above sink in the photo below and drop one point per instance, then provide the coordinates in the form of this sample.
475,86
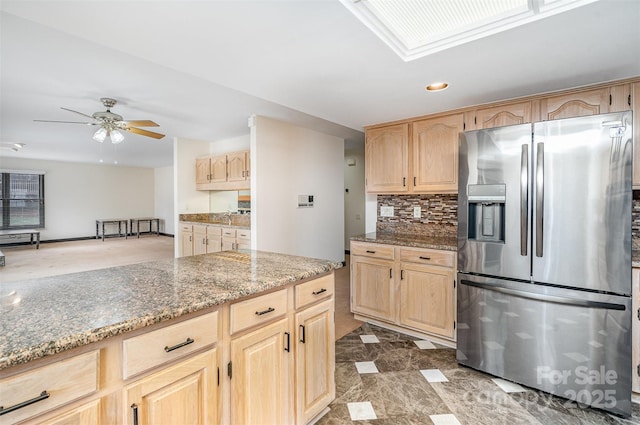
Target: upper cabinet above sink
228,171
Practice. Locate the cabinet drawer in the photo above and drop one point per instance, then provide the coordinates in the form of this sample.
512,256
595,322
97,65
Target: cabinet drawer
427,256
243,234
228,233
372,250
63,382
255,311
186,227
314,290
151,349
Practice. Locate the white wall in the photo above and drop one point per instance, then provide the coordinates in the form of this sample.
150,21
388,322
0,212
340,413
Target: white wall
234,144
186,199
77,194
163,199
288,161
354,199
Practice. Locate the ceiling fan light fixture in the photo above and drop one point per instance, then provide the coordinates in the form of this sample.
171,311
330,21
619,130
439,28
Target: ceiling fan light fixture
100,134
116,137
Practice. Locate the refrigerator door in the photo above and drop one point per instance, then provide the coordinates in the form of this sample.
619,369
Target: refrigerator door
494,202
582,202
574,344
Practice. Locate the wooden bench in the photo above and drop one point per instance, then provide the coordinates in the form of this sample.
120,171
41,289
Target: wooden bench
14,233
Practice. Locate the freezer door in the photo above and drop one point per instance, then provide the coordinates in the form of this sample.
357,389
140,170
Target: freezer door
574,344
582,202
494,202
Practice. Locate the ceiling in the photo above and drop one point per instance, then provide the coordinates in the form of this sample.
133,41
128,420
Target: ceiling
201,68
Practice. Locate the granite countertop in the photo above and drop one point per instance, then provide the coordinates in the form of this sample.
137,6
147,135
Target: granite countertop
446,243
233,226
42,317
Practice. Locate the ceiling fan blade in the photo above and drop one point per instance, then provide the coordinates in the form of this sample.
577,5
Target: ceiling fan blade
76,112
70,122
141,123
145,132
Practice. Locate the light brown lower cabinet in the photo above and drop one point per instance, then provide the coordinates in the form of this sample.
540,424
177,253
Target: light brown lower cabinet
404,288
261,376
88,413
315,360
280,347
185,393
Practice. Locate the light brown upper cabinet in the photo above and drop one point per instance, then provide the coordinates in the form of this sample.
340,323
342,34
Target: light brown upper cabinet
211,169
387,159
435,154
498,116
588,102
416,157
223,172
238,166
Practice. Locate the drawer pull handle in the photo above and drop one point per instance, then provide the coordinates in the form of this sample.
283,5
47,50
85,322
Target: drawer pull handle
302,332
269,310
182,344
288,346
370,252
319,292
43,395
425,258
135,413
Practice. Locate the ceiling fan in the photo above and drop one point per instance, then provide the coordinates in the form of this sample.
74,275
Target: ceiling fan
111,124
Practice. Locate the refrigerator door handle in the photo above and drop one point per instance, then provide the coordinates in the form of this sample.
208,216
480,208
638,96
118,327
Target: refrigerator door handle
539,198
543,297
524,198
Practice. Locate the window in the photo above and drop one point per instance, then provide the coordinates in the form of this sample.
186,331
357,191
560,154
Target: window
21,200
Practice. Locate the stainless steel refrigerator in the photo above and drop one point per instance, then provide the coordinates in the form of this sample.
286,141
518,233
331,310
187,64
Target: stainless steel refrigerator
544,256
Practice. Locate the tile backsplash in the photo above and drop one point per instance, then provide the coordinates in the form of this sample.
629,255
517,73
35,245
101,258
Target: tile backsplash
439,214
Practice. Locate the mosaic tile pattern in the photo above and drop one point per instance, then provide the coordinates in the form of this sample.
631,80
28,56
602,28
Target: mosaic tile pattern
438,212
400,394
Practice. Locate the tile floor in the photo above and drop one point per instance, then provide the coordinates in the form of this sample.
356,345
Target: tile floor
383,377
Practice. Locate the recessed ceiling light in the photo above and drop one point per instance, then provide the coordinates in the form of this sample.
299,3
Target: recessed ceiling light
437,86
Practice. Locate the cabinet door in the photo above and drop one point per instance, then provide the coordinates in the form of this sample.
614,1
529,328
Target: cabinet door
635,102
387,159
579,104
426,298
315,360
186,243
236,166
372,291
499,116
202,170
228,243
185,393
88,413
214,244
635,373
218,169
435,154
199,240
261,378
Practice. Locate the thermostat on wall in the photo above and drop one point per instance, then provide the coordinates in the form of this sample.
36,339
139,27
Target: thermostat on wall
305,201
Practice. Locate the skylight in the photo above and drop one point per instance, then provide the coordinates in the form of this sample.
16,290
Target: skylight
417,28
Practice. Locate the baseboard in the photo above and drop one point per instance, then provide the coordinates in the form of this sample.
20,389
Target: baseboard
80,238
410,332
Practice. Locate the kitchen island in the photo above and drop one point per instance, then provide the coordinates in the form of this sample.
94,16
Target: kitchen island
107,336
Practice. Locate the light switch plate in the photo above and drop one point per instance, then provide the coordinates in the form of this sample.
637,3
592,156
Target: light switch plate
386,211
417,212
